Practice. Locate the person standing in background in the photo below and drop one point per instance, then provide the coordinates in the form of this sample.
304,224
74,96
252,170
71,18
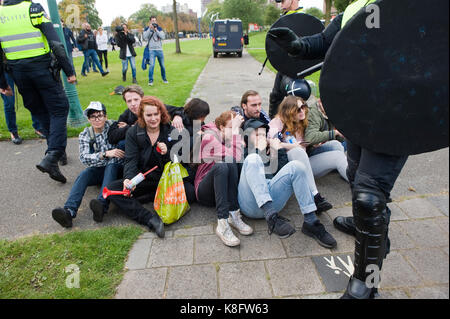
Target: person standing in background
102,44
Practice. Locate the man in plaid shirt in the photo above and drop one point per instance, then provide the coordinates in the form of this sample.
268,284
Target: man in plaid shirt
104,165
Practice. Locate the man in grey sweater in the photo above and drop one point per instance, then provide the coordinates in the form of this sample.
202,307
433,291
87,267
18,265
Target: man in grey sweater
154,35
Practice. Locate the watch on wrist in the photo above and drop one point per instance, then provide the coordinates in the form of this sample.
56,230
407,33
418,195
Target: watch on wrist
104,154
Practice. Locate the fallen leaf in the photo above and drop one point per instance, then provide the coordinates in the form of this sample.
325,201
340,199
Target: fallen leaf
412,189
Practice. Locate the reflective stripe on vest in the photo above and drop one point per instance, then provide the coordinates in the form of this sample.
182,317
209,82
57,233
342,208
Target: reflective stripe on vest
352,9
19,38
294,11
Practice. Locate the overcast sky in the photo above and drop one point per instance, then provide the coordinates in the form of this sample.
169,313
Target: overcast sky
110,9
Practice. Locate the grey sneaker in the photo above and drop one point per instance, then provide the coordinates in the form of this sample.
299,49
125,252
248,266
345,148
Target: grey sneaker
280,226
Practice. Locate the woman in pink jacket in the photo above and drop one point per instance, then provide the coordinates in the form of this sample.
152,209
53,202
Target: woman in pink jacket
217,178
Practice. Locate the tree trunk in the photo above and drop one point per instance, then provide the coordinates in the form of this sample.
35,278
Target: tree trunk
175,21
328,5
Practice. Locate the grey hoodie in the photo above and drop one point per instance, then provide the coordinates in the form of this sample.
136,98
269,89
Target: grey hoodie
154,38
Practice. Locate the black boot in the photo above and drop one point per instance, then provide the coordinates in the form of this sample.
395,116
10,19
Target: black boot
356,289
156,224
124,77
371,219
345,225
134,81
63,159
49,164
98,210
63,217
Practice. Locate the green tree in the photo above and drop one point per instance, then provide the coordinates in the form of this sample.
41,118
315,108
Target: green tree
91,13
249,11
316,12
271,14
143,15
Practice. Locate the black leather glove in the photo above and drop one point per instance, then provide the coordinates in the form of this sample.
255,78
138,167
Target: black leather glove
288,40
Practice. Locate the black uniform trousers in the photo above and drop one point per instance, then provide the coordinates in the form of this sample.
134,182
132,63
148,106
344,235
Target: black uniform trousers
46,99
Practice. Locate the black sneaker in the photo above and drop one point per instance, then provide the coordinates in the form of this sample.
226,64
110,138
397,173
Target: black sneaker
318,232
63,217
98,210
16,139
280,226
105,73
322,204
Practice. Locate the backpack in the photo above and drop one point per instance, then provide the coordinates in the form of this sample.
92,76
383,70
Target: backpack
93,147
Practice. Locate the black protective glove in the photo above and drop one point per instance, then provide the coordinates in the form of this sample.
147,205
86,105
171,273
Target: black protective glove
288,40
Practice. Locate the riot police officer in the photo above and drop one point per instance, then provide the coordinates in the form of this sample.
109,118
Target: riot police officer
372,175
33,52
277,95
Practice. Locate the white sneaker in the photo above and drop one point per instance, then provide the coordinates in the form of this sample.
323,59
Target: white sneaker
235,220
166,82
150,83
225,233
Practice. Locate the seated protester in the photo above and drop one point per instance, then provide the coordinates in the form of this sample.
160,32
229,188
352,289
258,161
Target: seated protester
104,163
132,95
251,107
148,144
289,126
216,181
320,132
263,193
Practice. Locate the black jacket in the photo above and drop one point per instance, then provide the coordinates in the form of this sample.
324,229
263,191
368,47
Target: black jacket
84,42
116,134
122,41
141,155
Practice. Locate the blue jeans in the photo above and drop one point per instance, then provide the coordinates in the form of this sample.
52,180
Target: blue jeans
89,177
10,112
132,63
254,190
91,53
153,55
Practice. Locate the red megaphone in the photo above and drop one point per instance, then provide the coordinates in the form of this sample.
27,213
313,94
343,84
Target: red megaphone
107,192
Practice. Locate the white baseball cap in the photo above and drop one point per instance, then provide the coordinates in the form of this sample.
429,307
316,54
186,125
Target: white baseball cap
95,106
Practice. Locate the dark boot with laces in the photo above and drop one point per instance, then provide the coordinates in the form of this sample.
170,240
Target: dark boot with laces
280,226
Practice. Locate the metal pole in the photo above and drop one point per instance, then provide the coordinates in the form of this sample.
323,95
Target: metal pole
76,117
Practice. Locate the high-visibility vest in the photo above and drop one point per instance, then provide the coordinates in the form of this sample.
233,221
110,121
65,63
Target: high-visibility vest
19,38
294,11
352,9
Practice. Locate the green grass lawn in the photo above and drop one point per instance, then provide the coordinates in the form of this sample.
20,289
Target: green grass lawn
257,42
182,72
35,267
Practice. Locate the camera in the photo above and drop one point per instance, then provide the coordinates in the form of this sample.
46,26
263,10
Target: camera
119,28
155,25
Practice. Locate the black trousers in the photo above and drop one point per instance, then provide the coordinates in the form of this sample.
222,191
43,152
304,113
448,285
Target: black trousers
102,54
46,99
144,192
371,172
219,188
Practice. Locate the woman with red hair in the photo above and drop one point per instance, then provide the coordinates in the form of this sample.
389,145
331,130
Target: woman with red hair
148,144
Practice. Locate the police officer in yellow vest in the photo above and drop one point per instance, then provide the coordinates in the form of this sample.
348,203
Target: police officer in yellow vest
277,95
28,41
372,175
